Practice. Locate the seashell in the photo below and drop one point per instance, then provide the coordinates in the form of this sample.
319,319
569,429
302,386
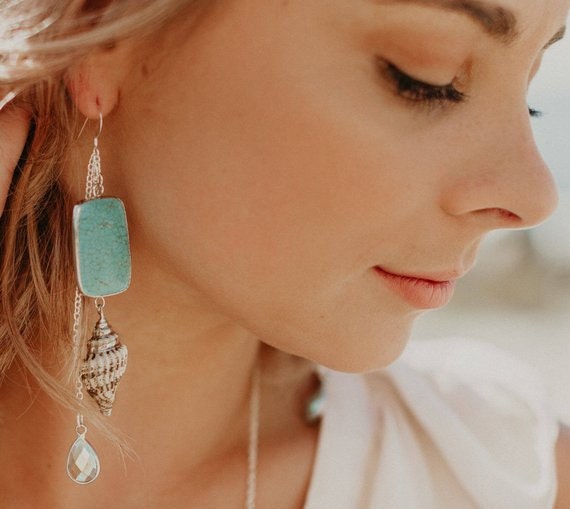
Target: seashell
104,365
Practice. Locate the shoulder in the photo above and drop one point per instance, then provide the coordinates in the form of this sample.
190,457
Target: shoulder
480,412
476,378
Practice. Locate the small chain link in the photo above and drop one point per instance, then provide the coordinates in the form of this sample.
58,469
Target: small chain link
80,429
100,304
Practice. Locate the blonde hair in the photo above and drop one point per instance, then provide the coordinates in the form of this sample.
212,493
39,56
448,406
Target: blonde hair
39,41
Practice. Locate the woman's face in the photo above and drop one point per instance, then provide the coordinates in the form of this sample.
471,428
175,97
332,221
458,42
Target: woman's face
279,153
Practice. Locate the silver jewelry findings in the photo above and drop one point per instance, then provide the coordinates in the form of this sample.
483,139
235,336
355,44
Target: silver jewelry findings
102,268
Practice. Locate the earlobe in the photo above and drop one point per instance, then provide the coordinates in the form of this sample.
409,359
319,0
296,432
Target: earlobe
94,83
90,91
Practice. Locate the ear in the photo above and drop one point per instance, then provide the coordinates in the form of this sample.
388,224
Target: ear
95,82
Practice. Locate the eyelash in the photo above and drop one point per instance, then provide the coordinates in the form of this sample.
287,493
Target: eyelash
418,91
534,113
424,93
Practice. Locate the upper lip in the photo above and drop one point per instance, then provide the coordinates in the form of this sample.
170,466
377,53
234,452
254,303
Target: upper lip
433,277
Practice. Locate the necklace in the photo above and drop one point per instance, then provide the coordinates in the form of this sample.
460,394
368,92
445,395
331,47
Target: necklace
253,440
313,412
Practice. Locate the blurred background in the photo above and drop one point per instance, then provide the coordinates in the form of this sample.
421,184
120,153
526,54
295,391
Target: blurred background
518,295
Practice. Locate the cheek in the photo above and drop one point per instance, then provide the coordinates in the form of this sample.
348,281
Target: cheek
278,213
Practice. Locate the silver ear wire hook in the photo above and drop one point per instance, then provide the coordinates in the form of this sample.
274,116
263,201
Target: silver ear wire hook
96,140
81,130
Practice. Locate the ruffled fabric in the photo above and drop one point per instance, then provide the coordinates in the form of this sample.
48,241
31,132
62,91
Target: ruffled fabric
452,424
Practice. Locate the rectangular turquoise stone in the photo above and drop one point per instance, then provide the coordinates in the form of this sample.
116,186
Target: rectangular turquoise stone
102,253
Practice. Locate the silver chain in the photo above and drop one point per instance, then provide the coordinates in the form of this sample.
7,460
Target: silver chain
78,305
76,317
253,439
94,184
80,429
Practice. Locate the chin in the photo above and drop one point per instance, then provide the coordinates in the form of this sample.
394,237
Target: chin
364,353
365,362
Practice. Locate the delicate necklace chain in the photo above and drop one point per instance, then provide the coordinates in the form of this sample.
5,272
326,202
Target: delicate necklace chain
253,439
313,412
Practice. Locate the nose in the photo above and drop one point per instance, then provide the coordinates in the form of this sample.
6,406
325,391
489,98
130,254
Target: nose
501,180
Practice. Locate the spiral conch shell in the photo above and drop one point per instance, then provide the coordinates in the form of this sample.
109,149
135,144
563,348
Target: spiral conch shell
104,365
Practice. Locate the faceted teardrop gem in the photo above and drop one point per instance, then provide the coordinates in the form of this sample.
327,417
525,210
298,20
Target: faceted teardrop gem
82,462
102,253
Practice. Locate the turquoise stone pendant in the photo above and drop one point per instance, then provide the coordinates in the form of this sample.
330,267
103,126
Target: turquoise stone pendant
101,241
83,464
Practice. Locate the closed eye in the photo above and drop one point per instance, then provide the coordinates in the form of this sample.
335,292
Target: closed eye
421,92
418,91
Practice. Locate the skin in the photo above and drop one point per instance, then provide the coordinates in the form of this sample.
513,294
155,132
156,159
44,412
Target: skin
258,225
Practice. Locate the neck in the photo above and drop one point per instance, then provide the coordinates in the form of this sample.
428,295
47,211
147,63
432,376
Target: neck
184,400
189,374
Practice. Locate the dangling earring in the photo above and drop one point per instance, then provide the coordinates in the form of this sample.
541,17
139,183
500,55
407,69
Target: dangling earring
102,268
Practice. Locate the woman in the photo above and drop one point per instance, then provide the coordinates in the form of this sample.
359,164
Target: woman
301,180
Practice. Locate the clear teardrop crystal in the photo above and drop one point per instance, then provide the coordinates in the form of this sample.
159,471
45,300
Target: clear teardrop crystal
82,462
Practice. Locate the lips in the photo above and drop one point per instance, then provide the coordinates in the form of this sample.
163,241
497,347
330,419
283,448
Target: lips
420,292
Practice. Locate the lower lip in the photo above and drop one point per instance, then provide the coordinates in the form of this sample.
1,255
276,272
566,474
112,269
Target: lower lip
420,293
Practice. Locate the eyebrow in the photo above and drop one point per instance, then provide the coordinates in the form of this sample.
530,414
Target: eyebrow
497,21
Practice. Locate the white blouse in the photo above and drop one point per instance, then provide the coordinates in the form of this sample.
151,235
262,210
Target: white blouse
452,424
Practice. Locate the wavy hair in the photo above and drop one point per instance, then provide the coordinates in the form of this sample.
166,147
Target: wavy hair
40,40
